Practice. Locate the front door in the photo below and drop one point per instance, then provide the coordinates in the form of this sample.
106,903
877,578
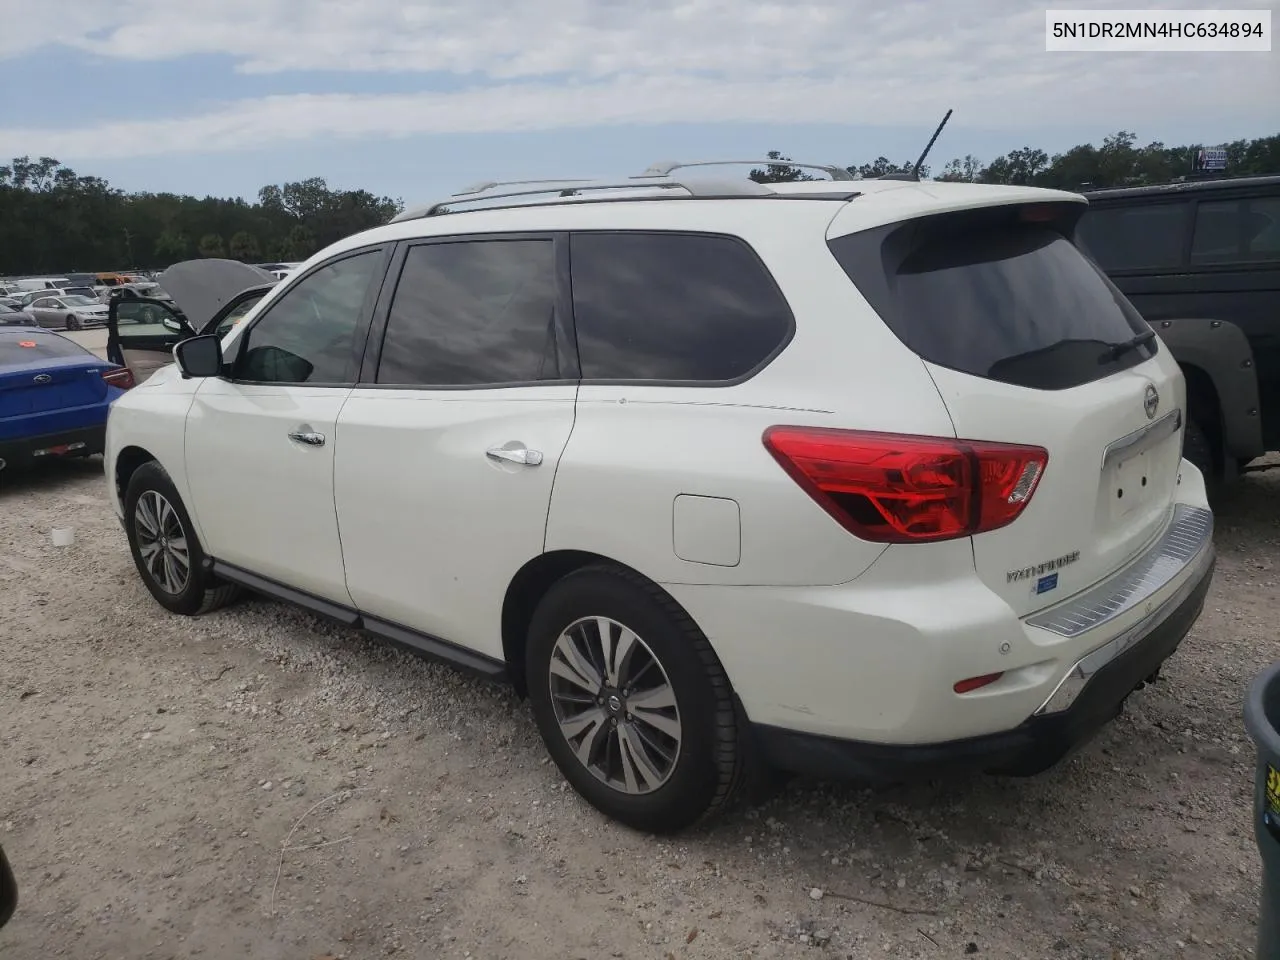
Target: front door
449,447
141,334
260,441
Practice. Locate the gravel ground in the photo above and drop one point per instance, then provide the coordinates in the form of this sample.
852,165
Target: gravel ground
259,783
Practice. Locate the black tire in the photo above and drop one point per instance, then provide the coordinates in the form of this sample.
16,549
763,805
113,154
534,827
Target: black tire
73,323
1199,448
709,763
200,592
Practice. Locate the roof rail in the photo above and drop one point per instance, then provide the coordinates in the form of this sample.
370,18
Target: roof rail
663,168
573,189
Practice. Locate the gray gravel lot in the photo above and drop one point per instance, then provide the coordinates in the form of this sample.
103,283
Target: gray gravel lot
152,767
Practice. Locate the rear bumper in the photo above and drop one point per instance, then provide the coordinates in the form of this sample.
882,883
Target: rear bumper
1030,748
80,442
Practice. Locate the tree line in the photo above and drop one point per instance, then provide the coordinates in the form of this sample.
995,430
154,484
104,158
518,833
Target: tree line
52,220
1119,162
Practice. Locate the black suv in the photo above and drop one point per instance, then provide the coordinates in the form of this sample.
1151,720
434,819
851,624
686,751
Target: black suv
1201,261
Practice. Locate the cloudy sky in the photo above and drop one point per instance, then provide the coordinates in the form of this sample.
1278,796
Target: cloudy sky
415,98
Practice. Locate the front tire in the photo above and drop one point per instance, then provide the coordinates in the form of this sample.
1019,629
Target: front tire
165,549
632,702
73,322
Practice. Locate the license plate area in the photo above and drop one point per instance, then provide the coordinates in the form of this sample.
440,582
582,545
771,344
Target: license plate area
1136,467
1131,483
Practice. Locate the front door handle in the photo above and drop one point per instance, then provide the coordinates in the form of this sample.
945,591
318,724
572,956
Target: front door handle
309,437
515,453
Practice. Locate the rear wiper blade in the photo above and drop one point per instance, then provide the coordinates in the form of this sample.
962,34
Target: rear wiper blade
1118,350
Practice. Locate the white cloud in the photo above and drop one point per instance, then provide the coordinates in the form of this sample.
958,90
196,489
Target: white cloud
576,63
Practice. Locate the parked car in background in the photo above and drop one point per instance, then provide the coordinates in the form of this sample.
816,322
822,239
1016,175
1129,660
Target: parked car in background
68,311
54,396
867,479
209,296
43,283
12,315
27,297
1201,262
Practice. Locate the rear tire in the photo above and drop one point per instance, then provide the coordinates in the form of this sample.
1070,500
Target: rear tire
652,741
1199,448
165,548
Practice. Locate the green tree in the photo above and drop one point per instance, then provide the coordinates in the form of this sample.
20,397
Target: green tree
780,172
211,245
172,247
244,246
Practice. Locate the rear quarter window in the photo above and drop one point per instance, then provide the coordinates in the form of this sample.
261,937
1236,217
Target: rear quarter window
674,307
16,348
988,295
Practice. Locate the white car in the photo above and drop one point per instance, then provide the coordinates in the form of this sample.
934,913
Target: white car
874,479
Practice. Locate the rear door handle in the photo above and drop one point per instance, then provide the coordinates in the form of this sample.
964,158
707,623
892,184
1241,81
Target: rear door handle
515,453
310,438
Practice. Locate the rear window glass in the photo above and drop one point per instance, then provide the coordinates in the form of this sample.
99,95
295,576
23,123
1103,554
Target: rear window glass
1007,301
1150,237
24,347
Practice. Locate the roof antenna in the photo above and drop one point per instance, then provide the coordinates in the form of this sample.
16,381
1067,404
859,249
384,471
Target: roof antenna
915,171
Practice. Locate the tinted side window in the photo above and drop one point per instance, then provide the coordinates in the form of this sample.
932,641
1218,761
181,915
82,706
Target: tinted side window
307,335
471,313
655,306
1134,238
1237,231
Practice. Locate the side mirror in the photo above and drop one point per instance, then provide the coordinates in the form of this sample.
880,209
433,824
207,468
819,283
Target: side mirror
171,324
199,356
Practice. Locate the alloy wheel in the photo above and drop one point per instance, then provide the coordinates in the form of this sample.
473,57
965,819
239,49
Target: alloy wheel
615,705
162,543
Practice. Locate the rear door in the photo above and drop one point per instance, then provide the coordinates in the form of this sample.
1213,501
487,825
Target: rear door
1029,343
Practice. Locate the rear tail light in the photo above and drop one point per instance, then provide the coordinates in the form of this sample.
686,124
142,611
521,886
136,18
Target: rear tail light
119,377
892,488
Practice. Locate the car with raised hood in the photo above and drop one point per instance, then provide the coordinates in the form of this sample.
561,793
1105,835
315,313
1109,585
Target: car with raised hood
203,296
874,479
54,397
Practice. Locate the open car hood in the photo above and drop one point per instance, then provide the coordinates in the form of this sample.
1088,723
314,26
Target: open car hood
201,287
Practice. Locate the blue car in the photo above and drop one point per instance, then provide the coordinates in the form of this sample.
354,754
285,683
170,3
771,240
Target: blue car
54,396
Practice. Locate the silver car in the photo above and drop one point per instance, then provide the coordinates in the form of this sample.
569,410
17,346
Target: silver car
71,311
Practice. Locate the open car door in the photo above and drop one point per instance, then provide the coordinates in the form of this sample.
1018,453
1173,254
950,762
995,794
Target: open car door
209,296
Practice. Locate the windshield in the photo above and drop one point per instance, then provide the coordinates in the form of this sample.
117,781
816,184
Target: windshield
75,300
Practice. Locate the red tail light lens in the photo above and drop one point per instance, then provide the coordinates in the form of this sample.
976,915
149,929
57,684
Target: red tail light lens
119,377
977,683
893,488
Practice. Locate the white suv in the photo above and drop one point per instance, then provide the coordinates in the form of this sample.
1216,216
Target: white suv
873,479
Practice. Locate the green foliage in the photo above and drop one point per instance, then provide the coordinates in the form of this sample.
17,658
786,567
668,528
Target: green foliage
1118,162
53,220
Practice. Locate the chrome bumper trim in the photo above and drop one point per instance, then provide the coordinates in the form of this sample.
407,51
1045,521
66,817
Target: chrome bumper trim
1152,571
1078,677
